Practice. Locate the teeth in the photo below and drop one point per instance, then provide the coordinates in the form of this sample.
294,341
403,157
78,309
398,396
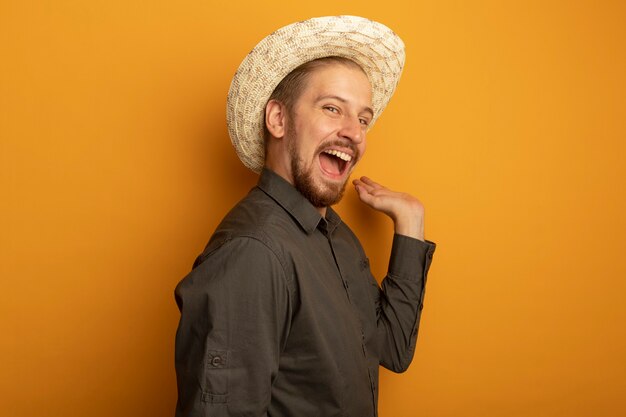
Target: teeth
339,154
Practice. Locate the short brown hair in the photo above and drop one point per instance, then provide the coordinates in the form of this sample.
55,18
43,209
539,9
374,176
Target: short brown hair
289,89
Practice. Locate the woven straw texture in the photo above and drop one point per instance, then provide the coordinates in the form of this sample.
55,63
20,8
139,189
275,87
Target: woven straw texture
375,47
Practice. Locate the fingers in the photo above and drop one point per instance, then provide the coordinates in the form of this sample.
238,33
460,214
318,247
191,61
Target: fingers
362,187
369,183
365,192
372,188
372,193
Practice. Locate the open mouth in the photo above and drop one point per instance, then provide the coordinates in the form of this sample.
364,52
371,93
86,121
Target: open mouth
335,163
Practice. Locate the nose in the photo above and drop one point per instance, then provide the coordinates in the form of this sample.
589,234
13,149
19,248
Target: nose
352,129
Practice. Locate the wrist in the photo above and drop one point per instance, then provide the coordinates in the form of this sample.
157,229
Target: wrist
411,226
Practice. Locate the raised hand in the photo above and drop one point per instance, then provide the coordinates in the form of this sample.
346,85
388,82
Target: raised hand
406,211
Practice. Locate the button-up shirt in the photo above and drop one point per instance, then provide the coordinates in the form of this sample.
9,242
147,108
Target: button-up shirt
281,316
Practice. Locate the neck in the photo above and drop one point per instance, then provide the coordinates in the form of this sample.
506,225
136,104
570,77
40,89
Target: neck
286,175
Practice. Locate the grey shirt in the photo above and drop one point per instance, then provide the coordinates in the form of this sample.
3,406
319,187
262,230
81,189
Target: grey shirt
281,316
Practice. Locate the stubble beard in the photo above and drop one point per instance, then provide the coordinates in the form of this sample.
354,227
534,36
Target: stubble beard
319,195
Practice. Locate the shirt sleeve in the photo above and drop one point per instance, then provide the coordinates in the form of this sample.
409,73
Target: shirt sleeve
235,315
400,301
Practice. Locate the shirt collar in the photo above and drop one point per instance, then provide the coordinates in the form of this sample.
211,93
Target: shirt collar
295,203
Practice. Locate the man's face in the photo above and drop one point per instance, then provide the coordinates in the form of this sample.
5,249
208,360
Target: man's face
326,131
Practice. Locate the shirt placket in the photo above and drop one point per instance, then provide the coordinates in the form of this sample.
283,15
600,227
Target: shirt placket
372,380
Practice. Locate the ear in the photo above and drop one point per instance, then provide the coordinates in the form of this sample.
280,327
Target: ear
275,113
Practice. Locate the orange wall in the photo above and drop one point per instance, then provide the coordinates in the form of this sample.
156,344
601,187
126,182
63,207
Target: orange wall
509,124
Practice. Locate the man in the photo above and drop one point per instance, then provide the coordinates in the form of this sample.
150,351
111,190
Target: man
281,315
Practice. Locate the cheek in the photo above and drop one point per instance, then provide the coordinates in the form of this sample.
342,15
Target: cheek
325,126
306,149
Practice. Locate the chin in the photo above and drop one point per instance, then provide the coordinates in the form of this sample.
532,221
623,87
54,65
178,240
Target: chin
325,194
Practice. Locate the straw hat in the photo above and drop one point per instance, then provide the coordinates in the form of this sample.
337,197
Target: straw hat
375,47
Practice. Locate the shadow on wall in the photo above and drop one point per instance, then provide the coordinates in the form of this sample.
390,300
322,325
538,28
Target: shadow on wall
373,229
221,178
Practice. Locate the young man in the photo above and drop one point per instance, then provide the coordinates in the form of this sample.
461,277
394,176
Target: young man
281,315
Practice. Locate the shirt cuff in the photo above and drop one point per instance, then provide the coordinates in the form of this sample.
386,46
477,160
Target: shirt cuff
410,257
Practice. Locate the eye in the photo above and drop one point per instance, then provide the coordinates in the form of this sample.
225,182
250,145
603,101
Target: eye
331,109
364,122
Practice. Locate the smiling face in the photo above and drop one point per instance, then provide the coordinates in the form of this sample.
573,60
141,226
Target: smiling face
324,133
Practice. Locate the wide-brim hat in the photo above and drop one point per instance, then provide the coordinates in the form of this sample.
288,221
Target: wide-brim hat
372,45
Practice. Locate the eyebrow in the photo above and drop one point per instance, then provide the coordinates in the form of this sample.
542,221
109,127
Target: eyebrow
343,100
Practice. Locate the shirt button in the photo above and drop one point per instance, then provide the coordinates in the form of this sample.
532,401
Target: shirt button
216,361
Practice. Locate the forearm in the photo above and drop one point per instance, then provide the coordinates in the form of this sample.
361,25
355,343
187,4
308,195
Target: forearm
401,300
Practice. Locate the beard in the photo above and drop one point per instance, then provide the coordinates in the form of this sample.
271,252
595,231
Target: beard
320,195
324,194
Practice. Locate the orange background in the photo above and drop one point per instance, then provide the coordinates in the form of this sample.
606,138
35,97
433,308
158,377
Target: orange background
509,124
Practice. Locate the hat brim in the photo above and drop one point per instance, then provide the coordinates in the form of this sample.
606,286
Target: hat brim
372,45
